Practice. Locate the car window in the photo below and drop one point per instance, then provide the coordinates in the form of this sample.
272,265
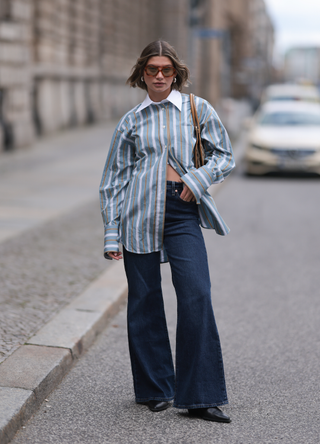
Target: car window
281,118
294,98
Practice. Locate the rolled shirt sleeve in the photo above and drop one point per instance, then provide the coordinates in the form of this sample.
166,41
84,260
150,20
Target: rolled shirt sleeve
219,160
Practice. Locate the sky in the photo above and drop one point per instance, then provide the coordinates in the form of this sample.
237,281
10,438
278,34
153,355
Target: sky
297,22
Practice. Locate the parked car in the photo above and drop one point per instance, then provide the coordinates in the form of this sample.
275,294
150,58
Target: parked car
284,136
288,91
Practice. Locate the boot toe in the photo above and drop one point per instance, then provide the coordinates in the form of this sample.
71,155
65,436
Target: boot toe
158,406
210,414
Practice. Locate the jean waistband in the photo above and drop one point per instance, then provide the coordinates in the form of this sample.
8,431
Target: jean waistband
174,185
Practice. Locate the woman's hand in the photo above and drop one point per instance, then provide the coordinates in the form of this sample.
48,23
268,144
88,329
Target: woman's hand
187,194
115,255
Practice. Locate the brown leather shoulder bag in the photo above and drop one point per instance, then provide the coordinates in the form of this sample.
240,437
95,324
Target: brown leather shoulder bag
198,153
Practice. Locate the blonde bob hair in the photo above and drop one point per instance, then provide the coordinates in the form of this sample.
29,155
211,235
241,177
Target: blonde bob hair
159,48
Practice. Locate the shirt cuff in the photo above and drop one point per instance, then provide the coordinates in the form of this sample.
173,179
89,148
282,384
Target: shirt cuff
198,180
111,241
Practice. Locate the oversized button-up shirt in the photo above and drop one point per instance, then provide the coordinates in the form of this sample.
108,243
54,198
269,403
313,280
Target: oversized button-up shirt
133,185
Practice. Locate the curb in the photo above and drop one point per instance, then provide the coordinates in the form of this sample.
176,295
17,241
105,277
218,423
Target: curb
37,367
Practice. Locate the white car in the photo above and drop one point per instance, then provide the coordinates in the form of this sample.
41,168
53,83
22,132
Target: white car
288,91
284,136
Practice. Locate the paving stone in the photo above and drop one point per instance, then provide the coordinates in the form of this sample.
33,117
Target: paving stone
72,329
104,291
35,368
15,409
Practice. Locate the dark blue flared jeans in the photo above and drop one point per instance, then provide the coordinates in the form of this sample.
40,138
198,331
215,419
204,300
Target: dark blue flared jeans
198,378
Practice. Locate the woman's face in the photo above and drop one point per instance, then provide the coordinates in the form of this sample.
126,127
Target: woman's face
159,86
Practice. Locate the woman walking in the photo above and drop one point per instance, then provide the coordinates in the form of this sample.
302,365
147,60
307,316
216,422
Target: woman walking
153,201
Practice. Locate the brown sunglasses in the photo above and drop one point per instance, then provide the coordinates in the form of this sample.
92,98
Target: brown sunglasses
166,71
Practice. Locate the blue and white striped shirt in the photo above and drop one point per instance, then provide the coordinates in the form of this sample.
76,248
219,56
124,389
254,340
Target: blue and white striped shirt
133,185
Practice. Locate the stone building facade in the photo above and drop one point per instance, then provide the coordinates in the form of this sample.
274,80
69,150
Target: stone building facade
16,126
64,63
233,46
258,63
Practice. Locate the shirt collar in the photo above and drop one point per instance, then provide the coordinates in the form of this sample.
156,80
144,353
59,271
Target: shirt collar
174,97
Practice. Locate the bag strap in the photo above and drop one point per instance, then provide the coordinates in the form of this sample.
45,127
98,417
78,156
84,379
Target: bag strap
198,150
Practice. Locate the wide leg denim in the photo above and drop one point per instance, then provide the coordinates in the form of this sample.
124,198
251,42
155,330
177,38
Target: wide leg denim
198,379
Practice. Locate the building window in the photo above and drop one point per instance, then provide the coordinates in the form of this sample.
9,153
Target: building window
5,10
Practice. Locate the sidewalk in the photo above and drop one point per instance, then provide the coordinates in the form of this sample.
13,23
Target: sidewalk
39,188
52,184
56,175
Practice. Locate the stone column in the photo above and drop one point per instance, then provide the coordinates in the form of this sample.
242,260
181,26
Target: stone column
15,80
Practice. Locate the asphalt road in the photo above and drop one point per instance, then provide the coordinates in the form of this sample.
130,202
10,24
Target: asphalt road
266,280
